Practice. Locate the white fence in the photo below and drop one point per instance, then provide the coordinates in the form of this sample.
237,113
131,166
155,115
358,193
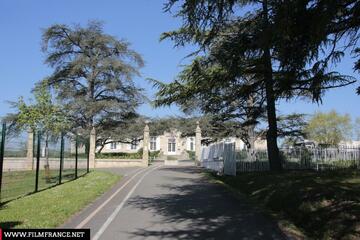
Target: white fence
219,157
302,158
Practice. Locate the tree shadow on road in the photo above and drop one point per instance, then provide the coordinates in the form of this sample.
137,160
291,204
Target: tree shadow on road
201,210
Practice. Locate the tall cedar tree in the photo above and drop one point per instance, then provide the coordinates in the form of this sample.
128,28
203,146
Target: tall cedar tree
286,46
93,75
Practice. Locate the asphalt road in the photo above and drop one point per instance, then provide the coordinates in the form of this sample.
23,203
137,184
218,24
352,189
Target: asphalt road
163,202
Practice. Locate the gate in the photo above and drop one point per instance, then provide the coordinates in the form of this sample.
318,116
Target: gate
219,157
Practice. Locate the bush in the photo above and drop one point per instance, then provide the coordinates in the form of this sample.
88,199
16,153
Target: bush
241,155
123,155
119,155
154,154
191,155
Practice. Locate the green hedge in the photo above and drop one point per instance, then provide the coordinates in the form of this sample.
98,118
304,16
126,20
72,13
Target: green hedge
123,155
191,155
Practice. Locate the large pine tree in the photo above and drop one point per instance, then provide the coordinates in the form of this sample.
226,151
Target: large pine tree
93,75
285,47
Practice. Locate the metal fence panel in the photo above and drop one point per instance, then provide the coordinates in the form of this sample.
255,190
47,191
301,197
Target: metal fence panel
49,167
18,176
69,159
29,163
82,156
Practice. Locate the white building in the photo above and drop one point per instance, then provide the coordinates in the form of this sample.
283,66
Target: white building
172,143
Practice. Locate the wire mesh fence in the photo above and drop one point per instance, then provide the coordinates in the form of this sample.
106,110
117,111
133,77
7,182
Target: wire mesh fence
17,171
32,162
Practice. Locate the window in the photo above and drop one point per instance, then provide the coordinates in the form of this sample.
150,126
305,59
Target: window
171,144
113,145
134,145
153,143
192,144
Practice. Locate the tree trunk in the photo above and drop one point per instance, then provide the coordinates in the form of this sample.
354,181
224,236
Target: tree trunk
251,145
101,147
271,136
251,131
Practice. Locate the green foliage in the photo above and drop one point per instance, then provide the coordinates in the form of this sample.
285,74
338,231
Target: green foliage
186,126
292,125
265,50
20,183
357,63
119,155
57,204
123,155
93,75
191,155
154,154
302,201
328,129
43,115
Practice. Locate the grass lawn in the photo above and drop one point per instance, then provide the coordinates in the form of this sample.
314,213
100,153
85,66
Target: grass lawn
52,207
18,183
307,204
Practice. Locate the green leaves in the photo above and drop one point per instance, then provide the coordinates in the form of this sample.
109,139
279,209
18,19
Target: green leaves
93,75
328,129
43,115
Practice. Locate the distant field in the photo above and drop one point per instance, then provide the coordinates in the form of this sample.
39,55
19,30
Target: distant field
308,204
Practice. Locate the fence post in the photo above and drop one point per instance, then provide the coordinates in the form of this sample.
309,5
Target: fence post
316,159
197,143
37,161
145,157
30,148
92,147
61,157
76,157
2,150
88,156
34,141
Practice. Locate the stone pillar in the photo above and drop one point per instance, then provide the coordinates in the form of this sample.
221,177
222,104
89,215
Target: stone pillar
197,143
146,145
30,148
92,146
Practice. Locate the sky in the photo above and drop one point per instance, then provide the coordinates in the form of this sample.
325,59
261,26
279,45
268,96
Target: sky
140,22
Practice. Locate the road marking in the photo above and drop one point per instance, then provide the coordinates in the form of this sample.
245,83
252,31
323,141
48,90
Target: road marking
120,206
131,172
88,218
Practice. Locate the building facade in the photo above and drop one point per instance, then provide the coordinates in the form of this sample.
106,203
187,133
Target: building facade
169,143
172,143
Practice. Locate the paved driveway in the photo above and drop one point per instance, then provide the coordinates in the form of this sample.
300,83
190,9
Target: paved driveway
163,202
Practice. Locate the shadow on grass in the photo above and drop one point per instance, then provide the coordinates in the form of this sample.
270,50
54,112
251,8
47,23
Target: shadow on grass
200,210
7,225
55,179
49,183
323,205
